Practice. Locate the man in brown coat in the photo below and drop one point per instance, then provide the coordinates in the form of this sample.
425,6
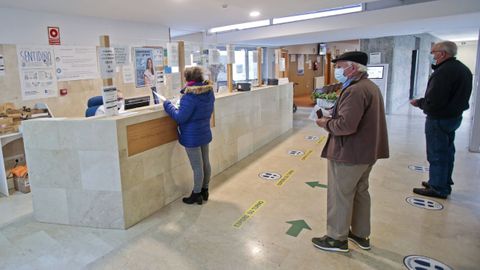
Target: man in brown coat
357,138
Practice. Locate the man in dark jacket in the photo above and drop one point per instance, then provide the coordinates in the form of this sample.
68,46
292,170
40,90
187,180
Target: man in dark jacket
447,95
357,137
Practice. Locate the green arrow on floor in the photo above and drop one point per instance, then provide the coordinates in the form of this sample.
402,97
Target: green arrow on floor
315,184
297,227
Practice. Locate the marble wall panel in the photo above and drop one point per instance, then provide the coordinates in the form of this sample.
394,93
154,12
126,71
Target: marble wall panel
245,145
41,134
50,205
100,170
143,200
53,168
131,170
178,182
99,209
96,135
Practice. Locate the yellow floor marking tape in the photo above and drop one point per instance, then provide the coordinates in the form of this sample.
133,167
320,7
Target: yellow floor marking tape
285,178
306,155
321,140
248,214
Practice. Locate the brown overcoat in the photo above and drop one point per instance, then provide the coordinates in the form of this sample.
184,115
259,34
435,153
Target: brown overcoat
358,128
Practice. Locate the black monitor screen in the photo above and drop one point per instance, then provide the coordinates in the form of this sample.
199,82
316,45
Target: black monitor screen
131,103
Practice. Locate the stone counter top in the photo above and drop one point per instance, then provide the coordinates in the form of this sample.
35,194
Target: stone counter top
112,172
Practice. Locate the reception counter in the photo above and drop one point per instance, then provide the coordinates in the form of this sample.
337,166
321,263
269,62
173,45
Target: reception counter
112,172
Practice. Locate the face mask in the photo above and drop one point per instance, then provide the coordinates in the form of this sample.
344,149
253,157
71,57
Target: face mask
339,75
432,59
120,104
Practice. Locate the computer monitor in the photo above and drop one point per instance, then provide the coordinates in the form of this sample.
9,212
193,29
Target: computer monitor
375,72
131,103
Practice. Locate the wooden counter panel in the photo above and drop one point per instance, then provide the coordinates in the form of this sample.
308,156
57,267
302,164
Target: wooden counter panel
150,134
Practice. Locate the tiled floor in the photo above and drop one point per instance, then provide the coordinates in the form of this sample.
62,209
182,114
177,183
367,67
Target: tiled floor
203,237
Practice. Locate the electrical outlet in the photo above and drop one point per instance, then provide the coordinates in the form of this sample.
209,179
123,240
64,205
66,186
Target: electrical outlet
17,158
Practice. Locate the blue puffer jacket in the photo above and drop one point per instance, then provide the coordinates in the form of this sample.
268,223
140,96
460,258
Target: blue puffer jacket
193,115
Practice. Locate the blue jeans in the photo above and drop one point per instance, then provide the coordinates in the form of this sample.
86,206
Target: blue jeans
440,136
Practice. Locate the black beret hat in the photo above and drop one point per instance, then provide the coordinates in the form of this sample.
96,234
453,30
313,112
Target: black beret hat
357,57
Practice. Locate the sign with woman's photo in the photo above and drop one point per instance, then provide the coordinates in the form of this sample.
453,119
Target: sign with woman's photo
144,68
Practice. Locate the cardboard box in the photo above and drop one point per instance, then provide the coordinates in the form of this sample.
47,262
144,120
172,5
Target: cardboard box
22,184
5,106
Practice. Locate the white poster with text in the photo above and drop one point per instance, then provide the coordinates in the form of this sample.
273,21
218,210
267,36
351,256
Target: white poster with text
37,72
75,63
106,61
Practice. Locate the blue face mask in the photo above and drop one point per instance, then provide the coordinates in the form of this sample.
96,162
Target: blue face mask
432,60
339,75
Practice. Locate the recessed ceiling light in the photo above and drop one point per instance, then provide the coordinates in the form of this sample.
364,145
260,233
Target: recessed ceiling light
254,14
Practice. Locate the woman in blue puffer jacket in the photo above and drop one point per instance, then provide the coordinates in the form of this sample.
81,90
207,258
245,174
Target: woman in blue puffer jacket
193,119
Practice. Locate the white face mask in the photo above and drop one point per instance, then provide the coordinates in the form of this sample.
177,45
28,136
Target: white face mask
339,75
121,104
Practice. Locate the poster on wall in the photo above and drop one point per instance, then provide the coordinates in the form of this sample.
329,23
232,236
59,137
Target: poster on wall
2,66
75,63
214,56
127,71
230,54
282,64
375,57
300,65
293,58
144,70
122,55
172,53
106,61
158,65
37,72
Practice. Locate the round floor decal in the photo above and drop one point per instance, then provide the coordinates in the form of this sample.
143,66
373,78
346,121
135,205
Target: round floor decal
418,168
311,138
295,153
424,203
270,176
415,262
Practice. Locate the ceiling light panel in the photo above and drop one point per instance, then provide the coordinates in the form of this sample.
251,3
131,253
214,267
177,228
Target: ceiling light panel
320,14
240,26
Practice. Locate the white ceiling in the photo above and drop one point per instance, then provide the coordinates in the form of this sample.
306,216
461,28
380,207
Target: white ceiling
444,18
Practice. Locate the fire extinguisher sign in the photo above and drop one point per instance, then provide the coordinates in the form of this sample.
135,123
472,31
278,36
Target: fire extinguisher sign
53,35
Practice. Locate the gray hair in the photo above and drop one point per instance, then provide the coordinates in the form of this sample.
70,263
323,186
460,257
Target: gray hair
448,46
360,67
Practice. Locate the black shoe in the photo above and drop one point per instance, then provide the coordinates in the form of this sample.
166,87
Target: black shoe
429,192
330,244
194,198
425,184
205,194
363,243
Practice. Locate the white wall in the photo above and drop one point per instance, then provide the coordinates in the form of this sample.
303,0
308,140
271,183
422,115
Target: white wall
302,49
343,46
29,27
467,53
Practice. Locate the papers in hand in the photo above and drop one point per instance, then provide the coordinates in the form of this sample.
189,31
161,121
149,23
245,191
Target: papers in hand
313,115
162,98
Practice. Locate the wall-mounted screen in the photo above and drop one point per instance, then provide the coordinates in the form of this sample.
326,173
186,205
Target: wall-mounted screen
322,48
375,72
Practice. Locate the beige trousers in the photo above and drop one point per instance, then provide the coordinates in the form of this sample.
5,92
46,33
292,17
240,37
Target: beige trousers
348,200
